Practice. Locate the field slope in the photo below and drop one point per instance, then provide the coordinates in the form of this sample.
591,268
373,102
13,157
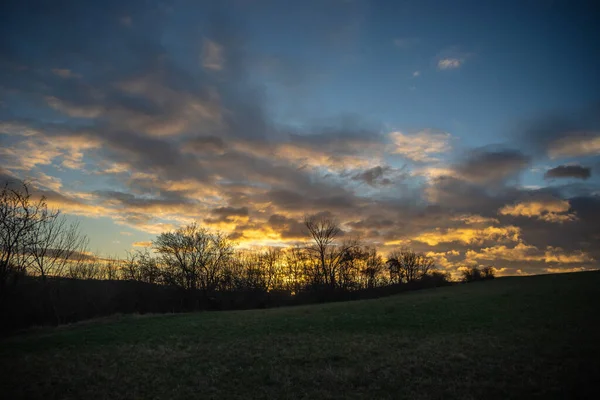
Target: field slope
509,338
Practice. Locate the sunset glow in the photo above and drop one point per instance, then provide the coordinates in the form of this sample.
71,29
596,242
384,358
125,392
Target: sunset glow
474,146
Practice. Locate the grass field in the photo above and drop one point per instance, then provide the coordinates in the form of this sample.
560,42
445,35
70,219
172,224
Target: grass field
509,338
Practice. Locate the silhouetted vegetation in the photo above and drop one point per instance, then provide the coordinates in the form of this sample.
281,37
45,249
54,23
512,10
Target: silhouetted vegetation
474,273
48,277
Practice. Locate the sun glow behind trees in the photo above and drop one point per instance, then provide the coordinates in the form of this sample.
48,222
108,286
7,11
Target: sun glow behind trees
38,242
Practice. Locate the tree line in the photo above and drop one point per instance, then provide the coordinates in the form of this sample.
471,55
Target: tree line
39,243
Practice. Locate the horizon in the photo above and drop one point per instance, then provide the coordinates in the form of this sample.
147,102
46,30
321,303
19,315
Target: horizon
466,131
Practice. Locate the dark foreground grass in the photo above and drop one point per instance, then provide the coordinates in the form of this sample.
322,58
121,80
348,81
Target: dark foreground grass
509,338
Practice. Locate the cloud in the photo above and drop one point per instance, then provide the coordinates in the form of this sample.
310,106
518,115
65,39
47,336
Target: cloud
566,134
64,73
212,55
550,210
449,63
420,146
206,144
288,228
142,244
469,235
228,217
313,157
557,255
568,171
126,20
46,181
459,194
231,212
416,74
373,176
451,57
488,165
527,253
575,145
552,270
476,220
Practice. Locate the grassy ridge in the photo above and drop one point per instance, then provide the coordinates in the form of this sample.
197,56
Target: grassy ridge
512,337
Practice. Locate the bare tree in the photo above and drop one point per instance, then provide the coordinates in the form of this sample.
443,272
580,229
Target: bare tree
297,265
112,266
406,265
488,272
85,268
143,267
330,255
55,244
244,272
21,218
193,257
349,269
270,264
474,273
373,267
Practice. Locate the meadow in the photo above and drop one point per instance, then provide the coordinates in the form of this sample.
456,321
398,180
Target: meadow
515,337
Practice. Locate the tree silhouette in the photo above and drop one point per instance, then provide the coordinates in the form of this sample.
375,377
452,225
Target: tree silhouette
406,265
193,257
330,255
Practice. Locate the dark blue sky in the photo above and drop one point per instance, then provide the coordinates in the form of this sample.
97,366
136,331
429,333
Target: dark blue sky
471,127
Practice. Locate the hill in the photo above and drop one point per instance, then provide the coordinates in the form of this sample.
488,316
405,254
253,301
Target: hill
512,337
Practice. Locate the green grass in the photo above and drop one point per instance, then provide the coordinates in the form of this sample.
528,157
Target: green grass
509,338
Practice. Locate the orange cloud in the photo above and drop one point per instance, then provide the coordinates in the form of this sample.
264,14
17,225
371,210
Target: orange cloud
420,146
557,255
550,210
142,244
566,270
441,258
527,253
37,149
469,235
313,158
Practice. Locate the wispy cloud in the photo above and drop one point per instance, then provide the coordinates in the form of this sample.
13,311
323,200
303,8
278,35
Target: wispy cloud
64,73
575,144
142,244
420,146
452,57
450,63
126,20
212,55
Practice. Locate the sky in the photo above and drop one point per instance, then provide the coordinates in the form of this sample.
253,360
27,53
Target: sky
467,130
